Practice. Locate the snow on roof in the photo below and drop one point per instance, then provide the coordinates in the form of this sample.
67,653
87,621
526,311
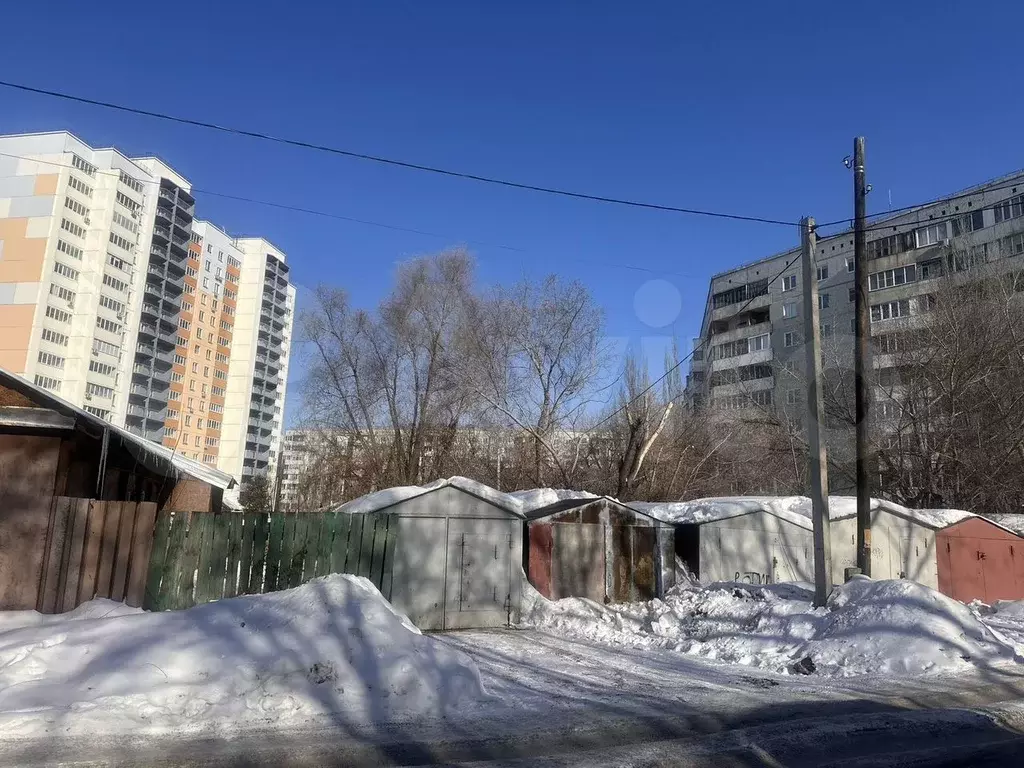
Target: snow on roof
1010,521
372,502
794,509
537,498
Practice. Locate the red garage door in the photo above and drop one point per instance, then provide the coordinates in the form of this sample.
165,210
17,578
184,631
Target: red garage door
980,561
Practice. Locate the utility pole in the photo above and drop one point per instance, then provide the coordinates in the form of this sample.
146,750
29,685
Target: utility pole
815,419
862,360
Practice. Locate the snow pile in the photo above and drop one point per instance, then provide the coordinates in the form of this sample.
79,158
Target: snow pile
537,498
332,647
868,627
1006,619
378,500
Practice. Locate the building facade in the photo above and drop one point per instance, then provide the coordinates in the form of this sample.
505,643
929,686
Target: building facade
750,353
115,298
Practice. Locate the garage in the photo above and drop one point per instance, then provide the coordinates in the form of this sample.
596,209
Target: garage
456,555
596,548
980,560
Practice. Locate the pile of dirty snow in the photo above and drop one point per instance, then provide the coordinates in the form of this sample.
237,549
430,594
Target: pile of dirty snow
868,627
1006,619
332,647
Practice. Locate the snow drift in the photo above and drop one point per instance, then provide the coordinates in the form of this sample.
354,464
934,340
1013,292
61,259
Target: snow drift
868,627
332,647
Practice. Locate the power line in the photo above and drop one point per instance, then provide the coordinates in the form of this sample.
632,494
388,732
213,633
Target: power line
393,162
354,220
687,356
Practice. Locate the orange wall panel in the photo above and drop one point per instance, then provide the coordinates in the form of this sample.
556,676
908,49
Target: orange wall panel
46,183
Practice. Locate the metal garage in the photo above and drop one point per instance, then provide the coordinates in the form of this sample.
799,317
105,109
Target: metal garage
597,548
759,540
457,553
980,560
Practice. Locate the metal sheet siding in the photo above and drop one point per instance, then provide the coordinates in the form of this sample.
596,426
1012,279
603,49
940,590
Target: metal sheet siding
980,561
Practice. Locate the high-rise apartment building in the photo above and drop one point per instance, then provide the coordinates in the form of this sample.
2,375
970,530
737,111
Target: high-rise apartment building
750,353
115,298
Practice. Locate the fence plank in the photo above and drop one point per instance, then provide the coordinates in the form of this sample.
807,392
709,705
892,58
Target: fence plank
141,549
108,548
284,571
73,554
189,560
245,525
389,556
275,546
119,583
53,564
91,554
205,565
299,547
257,571
171,581
219,566
315,524
339,550
355,534
366,546
158,563
380,535
328,523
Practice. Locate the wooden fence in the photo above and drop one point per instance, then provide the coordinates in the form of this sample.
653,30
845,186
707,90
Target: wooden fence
95,549
198,557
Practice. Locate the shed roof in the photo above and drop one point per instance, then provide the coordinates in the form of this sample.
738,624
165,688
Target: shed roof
156,457
572,503
535,498
379,500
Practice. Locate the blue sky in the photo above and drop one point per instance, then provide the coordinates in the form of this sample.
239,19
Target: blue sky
745,106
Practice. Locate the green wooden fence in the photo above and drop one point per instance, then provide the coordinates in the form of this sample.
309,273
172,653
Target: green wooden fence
199,557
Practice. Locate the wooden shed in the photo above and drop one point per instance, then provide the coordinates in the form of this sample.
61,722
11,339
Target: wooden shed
456,556
758,540
980,560
597,548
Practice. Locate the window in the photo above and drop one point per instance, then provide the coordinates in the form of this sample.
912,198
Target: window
207,265
184,324
853,325
195,367
225,325
179,359
1012,245
206,371
206,282
111,304
794,397
191,271
188,420
199,421
851,264
756,343
127,202
229,294
117,261
189,289
98,390
218,391
789,310
202,315
177,377
108,325
203,391
58,314
852,294
925,303
50,359
199,333
216,408
825,329
970,222
74,229
789,282
229,310
790,339
63,293
1010,209
209,354
822,301
890,310
170,432
890,277
823,273
181,341
121,242
47,382
126,222
54,338
930,269
222,358
233,262
63,269
212,441
102,368
209,248
113,282
222,340
87,168
79,186
890,246
932,234
71,250
133,184
101,412
174,395
106,347
73,205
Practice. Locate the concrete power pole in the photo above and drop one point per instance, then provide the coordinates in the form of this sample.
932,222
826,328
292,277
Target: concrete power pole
815,419
862,360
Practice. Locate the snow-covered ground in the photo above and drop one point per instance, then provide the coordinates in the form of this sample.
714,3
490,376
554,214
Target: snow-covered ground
332,647
867,628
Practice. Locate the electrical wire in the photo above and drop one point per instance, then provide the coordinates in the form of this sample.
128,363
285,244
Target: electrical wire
393,162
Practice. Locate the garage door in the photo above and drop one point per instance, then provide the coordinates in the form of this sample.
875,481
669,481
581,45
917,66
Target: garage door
479,577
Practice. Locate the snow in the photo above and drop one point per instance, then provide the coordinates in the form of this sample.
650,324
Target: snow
378,500
332,647
867,628
537,498
795,509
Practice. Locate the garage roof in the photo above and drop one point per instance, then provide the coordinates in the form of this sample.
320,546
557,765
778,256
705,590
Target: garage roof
375,502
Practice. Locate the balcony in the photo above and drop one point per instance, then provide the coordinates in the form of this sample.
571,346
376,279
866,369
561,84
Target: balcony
161,234
147,329
758,302
166,194
737,361
164,215
754,329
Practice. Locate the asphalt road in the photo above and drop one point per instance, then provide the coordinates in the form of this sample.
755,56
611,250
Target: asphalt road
563,703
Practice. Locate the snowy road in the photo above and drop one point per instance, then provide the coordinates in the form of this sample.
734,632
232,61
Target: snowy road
561,702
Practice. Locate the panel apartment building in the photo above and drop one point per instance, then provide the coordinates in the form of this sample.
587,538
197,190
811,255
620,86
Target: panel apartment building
750,352
115,298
